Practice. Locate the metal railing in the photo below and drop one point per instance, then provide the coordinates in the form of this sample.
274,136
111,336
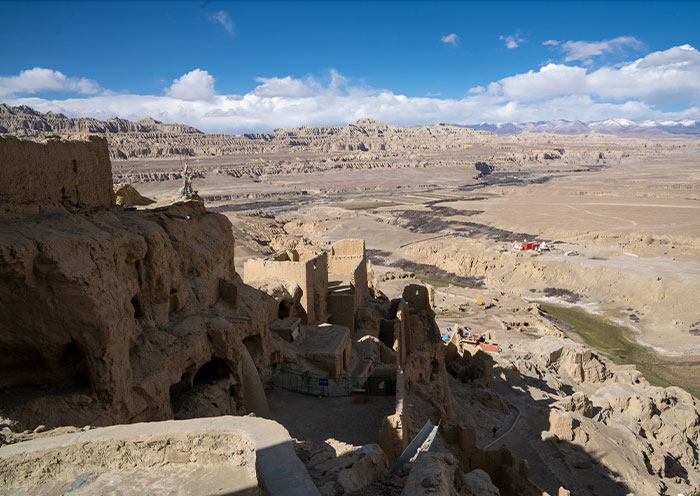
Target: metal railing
321,385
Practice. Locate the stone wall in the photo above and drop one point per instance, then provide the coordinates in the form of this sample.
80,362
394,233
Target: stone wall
71,172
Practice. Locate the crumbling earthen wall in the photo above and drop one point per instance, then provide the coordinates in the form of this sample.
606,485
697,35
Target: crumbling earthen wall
348,258
75,172
310,272
341,308
421,356
511,477
392,436
468,363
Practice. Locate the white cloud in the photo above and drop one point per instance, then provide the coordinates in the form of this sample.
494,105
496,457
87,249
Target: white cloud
221,17
636,90
550,43
195,85
583,50
286,87
450,39
289,87
660,78
338,81
39,79
512,41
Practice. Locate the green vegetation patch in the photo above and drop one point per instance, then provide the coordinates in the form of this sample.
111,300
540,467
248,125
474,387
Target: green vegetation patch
439,282
449,315
615,342
436,276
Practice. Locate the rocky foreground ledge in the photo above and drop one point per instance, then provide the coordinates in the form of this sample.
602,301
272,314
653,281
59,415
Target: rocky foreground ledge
213,456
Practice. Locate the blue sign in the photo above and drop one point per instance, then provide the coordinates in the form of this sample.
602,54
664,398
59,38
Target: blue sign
323,382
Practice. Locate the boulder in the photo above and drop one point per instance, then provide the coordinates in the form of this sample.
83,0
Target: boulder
127,196
562,425
478,483
579,403
368,463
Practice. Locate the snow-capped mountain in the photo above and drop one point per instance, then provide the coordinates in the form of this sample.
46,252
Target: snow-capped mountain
609,126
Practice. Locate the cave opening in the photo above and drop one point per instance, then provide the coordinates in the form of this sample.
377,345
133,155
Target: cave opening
284,310
72,361
61,366
212,371
138,311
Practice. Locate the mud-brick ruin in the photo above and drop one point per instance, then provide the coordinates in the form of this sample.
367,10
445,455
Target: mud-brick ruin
319,294
119,315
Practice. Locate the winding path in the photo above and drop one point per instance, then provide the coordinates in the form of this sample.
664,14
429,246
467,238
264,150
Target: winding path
510,428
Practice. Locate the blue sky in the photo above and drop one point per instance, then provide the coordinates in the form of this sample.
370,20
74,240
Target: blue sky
263,65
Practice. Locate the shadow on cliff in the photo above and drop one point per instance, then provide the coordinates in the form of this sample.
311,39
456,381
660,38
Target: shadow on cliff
316,419
554,461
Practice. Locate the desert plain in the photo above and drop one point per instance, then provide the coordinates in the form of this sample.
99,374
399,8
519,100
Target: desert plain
587,384
632,220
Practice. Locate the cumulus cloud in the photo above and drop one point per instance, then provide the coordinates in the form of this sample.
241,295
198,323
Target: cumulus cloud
667,77
195,85
512,41
283,87
550,43
637,90
584,50
289,87
222,18
38,80
450,39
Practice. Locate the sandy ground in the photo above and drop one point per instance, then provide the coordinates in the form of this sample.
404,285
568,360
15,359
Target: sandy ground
318,419
634,224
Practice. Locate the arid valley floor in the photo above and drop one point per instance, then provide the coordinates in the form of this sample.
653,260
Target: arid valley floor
595,386
634,222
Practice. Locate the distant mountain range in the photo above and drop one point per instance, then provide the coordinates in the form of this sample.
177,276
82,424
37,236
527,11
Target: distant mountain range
150,138
27,122
24,121
609,126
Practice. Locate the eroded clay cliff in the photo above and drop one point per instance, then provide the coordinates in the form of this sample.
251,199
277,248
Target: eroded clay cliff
142,304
